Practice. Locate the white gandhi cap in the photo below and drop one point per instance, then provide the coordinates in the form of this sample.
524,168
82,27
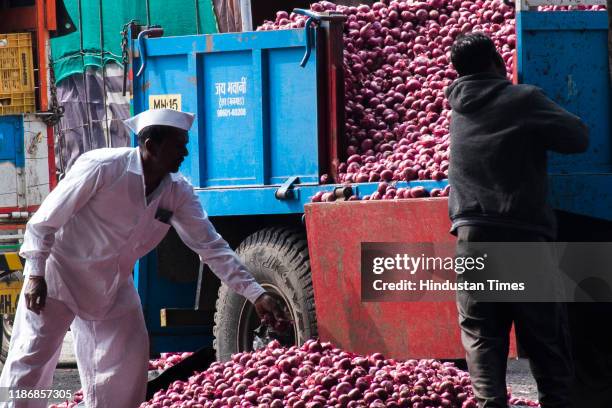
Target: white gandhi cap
163,117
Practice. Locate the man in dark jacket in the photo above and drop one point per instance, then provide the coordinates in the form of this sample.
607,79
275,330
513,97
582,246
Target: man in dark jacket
500,134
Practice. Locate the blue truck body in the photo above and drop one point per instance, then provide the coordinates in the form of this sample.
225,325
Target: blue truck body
11,140
258,124
566,54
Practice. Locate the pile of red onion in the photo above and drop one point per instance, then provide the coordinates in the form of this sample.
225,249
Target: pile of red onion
317,375
78,397
387,191
396,66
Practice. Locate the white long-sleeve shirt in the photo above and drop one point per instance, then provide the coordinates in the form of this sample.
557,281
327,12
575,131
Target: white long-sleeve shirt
88,233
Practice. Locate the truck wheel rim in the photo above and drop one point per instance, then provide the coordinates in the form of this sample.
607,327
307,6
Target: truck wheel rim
247,339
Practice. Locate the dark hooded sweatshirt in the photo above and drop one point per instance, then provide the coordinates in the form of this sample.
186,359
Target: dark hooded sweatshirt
499,136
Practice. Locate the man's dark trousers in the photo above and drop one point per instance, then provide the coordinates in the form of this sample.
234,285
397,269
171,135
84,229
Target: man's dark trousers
541,329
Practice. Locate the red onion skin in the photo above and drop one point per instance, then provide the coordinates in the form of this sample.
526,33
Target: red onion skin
331,377
396,66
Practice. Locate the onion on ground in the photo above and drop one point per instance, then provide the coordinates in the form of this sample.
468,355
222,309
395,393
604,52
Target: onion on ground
317,375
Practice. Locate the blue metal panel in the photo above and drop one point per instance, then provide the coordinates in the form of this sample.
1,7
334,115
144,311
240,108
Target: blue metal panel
562,21
553,55
165,76
11,140
587,194
157,293
260,201
225,42
244,88
566,54
230,136
293,119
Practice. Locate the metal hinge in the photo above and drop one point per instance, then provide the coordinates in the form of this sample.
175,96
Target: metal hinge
286,190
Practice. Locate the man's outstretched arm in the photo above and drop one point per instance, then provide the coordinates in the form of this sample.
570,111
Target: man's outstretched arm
198,233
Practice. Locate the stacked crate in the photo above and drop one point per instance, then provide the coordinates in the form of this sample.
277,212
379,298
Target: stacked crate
16,74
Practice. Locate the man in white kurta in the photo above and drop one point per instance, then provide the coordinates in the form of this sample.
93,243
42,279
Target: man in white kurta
113,206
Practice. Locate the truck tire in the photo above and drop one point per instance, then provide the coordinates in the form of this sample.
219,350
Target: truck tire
7,331
278,259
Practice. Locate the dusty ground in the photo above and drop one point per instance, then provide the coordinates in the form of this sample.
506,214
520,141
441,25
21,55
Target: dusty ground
66,379
520,380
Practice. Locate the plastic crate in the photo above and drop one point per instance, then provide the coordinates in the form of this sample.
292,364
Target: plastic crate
16,74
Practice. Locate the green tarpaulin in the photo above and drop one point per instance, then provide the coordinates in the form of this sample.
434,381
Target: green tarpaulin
175,16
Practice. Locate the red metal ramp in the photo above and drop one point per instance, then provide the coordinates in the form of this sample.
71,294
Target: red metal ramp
400,330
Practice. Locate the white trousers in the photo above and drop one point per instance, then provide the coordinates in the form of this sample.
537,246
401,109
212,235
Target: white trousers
112,355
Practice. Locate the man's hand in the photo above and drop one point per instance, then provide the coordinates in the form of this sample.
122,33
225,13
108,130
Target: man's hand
35,293
270,312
